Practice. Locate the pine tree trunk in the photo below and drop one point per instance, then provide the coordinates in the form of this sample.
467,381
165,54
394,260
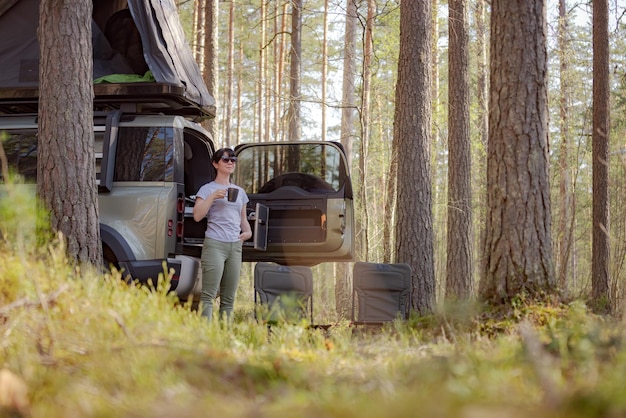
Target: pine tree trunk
600,137
362,207
435,65
459,280
260,74
239,95
412,132
324,70
66,178
565,229
348,127
295,72
211,72
228,105
280,68
199,31
389,213
483,127
348,103
267,86
518,237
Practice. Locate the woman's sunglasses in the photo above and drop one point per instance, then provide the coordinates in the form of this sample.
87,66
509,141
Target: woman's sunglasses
229,159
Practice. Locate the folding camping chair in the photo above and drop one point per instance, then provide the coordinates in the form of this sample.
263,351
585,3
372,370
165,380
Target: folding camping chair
286,291
380,292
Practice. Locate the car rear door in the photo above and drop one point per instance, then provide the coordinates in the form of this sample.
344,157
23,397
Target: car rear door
304,191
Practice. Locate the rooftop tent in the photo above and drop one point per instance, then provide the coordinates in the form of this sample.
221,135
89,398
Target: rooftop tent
129,37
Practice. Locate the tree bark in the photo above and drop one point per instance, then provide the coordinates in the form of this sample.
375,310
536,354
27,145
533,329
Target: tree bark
281,57
412,132
260,100
483,128
600,138
362,207
518,238
459,280
435,67
324,70
267,85
239,96
231,77
389,212
295,72
198,31
566,202
65,167
348,107
211,49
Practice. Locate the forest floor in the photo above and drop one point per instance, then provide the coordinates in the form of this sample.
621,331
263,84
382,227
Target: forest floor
75,344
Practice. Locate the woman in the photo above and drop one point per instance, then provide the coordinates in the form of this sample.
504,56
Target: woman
227,228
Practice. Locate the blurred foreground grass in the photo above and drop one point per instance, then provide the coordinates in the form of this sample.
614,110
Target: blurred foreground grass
74,343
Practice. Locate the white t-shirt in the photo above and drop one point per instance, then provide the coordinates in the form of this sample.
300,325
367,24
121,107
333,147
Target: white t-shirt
224,217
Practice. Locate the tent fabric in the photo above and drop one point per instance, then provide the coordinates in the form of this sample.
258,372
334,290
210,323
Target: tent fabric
19,49
106,60
165,50
5,4
122,34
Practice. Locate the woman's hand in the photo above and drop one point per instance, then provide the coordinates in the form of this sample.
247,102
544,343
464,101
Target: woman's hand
219,194
245,235
246,231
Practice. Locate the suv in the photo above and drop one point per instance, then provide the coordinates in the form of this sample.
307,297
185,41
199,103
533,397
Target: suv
149,167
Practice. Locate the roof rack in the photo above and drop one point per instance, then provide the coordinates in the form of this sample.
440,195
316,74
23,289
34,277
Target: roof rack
148,98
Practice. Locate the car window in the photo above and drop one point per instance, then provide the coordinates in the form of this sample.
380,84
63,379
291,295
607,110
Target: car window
145,154
314,167
21,151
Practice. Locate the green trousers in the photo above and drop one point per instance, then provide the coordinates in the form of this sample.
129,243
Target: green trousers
221,267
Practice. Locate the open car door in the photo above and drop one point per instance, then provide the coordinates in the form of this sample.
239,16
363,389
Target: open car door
303,193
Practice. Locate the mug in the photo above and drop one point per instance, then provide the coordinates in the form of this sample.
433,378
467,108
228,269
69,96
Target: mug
231,194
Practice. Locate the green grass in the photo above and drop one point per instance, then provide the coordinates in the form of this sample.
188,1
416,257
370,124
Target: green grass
87,345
